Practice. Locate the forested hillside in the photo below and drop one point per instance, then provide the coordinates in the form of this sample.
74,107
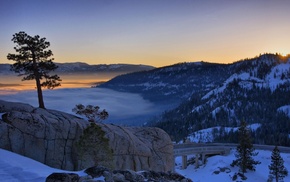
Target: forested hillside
171,84
258,91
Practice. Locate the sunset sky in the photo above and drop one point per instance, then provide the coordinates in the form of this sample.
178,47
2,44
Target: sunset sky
153,32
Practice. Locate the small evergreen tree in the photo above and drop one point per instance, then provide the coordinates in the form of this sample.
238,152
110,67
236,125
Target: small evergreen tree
245,150
93,113
277,168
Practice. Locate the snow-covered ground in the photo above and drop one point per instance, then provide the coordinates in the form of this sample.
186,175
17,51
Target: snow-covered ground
217,163
285,109
16,168
206,135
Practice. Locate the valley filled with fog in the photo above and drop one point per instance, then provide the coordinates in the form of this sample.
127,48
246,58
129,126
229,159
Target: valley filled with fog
123,108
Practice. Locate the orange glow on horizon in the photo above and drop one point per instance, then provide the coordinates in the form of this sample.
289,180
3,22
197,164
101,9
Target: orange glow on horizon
13,84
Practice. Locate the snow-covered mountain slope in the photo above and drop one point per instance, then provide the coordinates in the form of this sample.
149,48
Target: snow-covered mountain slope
257,90
278,75
208,135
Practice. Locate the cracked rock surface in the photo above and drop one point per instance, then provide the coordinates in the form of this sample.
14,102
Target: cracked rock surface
49,136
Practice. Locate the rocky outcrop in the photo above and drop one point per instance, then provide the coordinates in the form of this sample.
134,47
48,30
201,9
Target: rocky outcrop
63,177
102,174
53,138
44,135
140,148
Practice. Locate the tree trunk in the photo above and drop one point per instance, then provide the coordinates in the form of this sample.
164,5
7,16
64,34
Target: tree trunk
38,85
39,93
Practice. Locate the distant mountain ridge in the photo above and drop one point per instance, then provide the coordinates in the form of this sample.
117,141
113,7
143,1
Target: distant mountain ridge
84,67
80,67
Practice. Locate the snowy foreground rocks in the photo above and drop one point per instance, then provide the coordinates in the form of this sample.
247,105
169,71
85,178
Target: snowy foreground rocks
102,174
50,137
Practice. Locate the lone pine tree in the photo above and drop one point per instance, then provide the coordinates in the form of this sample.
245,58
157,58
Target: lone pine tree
33,62
277,168
245,150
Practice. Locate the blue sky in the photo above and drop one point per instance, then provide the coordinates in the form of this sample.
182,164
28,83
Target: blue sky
155,32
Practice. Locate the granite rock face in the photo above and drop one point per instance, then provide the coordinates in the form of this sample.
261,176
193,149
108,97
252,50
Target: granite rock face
140,148
46,136
50,137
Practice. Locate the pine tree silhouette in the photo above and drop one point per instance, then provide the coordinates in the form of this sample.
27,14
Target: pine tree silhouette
245,150
277,168
34,63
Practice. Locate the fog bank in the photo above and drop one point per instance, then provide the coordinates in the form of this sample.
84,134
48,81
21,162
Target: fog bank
123,108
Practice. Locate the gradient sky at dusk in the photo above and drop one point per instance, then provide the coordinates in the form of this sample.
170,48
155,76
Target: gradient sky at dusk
154,32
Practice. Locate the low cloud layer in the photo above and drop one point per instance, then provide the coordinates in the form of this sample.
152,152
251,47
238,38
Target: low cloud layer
121,107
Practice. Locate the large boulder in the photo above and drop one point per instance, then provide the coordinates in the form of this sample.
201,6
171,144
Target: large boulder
61,140
63,177
140,148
